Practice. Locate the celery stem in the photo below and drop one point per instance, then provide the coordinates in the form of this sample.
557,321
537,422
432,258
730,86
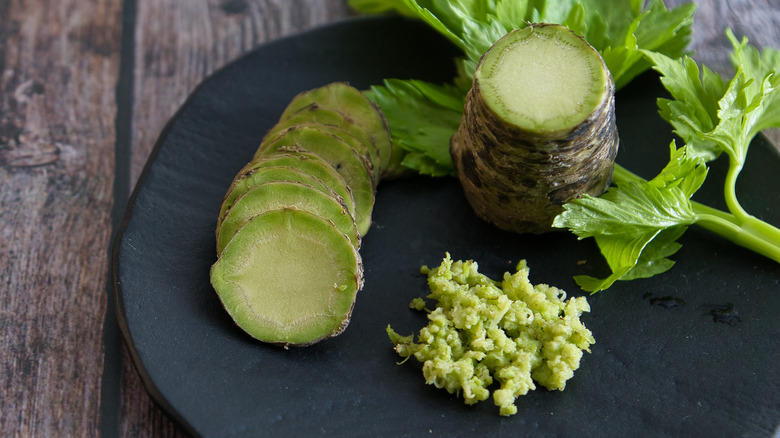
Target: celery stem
738,227
751,233
730,190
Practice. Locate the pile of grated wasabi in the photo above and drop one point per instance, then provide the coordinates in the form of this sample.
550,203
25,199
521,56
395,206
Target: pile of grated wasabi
483,330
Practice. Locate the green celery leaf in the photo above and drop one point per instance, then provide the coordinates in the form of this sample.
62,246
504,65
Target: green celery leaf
693,109
654,258
422,117
752,101
636,223
631,209
631,224
425,165
635,258
764,68
682,170
659,30
713,116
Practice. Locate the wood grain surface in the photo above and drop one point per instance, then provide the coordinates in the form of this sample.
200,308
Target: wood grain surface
86,86
58,67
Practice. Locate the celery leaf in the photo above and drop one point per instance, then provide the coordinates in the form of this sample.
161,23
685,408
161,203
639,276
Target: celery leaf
636,223
423,116
712,117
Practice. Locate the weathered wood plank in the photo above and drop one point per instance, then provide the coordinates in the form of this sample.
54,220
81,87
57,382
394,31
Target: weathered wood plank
178,43
58,72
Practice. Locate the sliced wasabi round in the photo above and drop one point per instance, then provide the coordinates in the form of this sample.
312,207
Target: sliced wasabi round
359,147
355,169
311,164
253,177
276,195
289,277
350,101
340,124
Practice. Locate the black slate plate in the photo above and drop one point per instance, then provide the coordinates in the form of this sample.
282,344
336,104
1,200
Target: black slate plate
668,360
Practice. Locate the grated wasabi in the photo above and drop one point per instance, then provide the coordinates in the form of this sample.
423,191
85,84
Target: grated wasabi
483,330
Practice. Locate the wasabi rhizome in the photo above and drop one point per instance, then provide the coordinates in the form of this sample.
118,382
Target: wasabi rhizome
538,128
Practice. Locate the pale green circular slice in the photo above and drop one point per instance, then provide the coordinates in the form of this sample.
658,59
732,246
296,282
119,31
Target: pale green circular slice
276,195
355,169
337,123
289,277
308,163
543,78
354,104
253,177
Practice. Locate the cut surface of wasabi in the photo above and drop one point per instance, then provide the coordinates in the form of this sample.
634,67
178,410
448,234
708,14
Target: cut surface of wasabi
343,125
355,168
277,195
246,180
350,101
543,77
289,277
310,164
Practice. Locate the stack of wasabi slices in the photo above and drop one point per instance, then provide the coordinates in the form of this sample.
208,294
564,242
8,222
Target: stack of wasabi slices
290,225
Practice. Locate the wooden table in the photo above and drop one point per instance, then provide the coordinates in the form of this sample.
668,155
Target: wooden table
85,89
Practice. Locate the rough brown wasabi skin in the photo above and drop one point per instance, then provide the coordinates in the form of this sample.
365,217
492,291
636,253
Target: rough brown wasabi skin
518,179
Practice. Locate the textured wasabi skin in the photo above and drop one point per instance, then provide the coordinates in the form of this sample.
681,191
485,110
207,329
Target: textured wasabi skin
537,132
510,332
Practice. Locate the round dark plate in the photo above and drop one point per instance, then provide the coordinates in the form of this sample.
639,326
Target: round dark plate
692,352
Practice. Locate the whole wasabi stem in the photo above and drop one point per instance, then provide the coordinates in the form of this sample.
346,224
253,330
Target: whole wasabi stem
538,128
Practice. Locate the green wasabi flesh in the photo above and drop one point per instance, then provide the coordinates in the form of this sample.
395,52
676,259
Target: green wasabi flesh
288,277
247,180
355,169
278,195
291,222
483,330
303,129
352,102
310,164
342,124
543,78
